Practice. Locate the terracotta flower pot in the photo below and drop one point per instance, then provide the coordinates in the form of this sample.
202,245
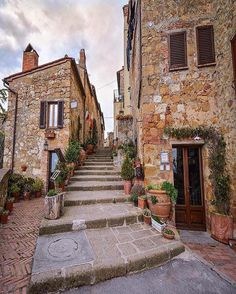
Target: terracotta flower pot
221,227
127,187
38,194
9,206
162,207
16,196
4,219
142,203
90,149
147,220
62,187
26,195
24,167
168,236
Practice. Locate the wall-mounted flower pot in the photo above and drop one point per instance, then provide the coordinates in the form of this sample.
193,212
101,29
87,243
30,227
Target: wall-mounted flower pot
49,134
23,167
127,187
221,227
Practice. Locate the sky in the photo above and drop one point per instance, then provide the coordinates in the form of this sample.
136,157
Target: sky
59,27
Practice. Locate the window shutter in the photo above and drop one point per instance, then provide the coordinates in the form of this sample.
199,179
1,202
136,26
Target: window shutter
60,114
178,50
42,119
205,45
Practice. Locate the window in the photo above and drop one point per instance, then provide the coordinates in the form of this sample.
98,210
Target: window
51,114
178,51
205,45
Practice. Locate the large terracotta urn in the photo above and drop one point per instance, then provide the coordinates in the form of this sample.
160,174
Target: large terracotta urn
127,187
162,207
90,148
221,227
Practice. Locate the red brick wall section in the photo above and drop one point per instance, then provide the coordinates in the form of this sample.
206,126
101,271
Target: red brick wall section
30,61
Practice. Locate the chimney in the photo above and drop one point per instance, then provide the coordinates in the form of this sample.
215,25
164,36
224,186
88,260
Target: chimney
82,58
30,58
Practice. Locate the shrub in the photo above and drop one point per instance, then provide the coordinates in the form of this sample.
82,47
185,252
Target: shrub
72,152
14,188
37,185
51,193
170,190
127,171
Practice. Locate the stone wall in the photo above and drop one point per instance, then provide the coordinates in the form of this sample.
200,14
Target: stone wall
4,176
192,97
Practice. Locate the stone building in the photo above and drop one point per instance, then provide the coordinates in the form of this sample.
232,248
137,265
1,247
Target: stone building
179,56
47,107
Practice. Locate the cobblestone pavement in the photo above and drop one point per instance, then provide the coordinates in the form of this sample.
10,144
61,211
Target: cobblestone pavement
221,257
17,244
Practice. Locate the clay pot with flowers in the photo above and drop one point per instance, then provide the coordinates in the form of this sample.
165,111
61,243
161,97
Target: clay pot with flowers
142,201
15,192
127,174
37,187
9,204
4,216
168,233
147,216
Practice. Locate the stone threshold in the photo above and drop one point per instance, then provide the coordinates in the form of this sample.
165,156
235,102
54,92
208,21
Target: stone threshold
92,256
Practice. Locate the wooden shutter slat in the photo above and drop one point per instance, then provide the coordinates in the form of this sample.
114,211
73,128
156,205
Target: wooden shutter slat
42,117
60,117
205,44
178,50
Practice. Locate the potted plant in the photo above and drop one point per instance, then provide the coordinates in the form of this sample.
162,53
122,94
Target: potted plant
27,191
15,192
168,234
4,216
52,205
127,174
37,187
147,216
221,220
157,223
134,198
72,153
9,204
160,197
90,146
142,201
60,180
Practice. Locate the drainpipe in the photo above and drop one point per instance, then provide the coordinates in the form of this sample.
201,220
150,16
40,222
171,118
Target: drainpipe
14,127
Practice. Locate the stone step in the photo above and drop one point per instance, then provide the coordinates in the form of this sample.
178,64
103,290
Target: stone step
99,160
93,216
96,167
98,178
95,186
100,157
68,260
96,172
92,197
88,163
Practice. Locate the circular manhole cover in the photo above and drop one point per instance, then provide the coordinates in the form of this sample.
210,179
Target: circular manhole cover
63,249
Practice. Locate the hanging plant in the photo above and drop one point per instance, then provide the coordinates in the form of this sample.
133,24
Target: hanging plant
217,161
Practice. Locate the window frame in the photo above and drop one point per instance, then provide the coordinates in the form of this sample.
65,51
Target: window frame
177,68
198,47
49,103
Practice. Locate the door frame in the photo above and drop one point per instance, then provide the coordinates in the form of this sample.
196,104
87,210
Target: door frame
186,187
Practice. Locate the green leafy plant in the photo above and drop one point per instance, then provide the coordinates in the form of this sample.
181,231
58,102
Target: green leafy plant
127,171
153,187
52,193
90,141
168,231
17,179
128,149
170,190
5,212
37,185
59,180
72,151
143,197
28,184
134,197
154,200
14,188
95,132
147,212
64,171
156,218
217,162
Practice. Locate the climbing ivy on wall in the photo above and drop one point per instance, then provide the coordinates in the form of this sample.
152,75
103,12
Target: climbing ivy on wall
217,161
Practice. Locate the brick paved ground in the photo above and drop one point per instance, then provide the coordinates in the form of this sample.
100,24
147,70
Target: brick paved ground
220,256
17,244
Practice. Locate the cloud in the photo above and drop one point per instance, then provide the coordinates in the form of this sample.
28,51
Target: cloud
59,27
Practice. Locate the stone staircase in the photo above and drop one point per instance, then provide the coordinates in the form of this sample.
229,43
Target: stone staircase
100,236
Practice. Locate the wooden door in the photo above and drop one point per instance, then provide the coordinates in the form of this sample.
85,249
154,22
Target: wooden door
233,44
187,168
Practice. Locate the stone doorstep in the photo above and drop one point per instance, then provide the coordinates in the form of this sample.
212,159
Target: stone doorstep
79,202
96,172
92,163
95,188
97,179
112,264
96,167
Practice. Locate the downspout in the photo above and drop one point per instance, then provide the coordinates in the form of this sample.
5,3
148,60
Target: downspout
14,126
